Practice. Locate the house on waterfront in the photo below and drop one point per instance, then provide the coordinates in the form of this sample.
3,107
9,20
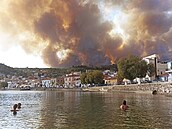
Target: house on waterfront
169,64
163,77
160,67
169,78
108,80
33,81
60,81
46,82
13,81
49,82
110,77
11,85
53,82
72,80
169,71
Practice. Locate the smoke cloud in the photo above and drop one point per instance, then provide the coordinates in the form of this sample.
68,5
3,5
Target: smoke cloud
84,32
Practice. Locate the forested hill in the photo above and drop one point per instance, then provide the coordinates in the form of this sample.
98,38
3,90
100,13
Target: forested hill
4,69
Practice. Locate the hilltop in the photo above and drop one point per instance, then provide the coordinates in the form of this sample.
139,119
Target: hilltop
51,72
6,70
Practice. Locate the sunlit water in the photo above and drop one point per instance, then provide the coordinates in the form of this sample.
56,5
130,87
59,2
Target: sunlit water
84,110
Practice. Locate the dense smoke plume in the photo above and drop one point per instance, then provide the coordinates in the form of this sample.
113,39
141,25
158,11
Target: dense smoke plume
85,32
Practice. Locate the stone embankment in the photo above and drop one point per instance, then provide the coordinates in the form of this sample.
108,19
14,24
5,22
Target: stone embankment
161,88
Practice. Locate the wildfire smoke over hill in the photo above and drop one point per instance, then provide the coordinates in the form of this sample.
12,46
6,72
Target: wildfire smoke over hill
85,32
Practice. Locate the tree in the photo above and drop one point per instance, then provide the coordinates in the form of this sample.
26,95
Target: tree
86,78
131,67
119,79
89,78
4,84
97,77
92,77
83,78
151,70
142,68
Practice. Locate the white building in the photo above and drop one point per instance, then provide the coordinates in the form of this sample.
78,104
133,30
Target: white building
169,64
169,75
11,85
46,82
160,67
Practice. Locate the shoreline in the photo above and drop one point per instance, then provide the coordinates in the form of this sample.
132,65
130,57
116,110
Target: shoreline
161,88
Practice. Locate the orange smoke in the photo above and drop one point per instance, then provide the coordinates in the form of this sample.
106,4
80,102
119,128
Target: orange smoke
74,32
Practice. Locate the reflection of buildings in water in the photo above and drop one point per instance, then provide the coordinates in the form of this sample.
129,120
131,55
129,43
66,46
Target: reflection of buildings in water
50,114
95,104
56,107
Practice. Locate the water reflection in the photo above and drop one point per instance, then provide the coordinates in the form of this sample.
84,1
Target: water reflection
84,110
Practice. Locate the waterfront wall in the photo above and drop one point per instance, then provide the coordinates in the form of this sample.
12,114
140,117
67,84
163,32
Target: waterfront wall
159,87
149,87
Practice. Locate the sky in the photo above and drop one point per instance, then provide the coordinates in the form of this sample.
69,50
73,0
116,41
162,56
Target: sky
64,33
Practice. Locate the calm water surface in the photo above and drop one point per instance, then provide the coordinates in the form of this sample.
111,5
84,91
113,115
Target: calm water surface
84,110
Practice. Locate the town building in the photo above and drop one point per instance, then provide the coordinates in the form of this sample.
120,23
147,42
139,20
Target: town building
60,81
169,78
108,80
160,67
72,80
46,82
169,64
169,71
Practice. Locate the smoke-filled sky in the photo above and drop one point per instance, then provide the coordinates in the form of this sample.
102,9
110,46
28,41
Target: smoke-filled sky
63,33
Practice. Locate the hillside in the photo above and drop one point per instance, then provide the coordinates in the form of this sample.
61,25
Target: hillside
4,69
50,72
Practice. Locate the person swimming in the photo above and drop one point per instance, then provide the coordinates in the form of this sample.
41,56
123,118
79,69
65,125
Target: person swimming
14,110
19,105
124,105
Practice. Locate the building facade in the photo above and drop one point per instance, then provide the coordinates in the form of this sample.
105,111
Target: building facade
160,67
72,80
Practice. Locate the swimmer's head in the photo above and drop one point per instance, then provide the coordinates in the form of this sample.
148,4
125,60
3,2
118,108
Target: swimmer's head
19,105
15,106
124,102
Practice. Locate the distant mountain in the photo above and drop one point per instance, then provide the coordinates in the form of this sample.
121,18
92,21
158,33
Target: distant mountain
4,69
